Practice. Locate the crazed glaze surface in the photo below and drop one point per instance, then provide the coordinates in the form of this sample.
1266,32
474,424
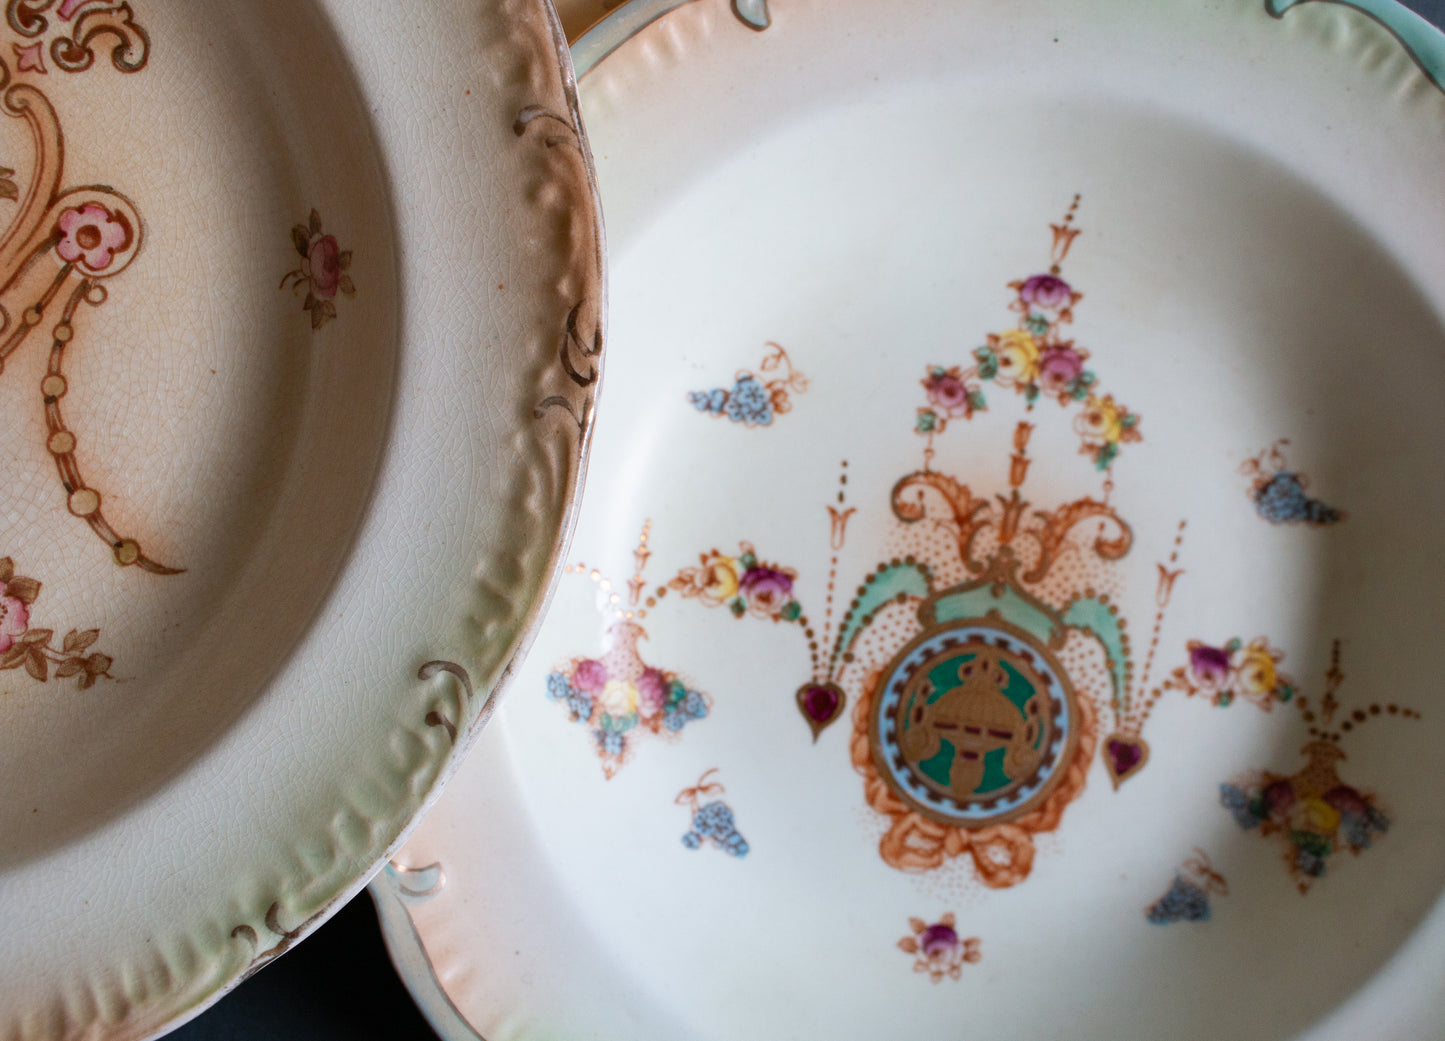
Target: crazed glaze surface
1015,628
327,429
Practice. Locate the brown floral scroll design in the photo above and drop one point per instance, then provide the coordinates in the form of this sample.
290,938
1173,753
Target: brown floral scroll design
33,648
83,27
1041,535
89,233
323,271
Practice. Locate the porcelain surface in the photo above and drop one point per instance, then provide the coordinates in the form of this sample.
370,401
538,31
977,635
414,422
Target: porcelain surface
1005,594
300,323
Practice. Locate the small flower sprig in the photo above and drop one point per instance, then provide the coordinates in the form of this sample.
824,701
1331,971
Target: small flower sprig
1036,360
938,949
619,697
1222,674
323,271
20,645
744,583
712,820
754,401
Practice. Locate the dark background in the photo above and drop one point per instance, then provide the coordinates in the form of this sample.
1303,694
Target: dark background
339,984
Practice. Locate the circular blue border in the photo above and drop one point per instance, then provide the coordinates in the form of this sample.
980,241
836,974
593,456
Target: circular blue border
971,812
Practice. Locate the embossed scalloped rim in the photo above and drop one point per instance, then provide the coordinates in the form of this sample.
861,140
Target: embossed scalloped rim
440,717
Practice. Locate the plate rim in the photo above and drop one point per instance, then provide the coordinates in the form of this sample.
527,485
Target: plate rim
564,421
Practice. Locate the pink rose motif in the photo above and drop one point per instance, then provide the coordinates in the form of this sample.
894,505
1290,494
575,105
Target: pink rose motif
947,392
1279,797
1046,291
68,8
14,619
91,235
939,940
1210,665
651,693
590,676
323,263
767,590
1345,799
1059,365
323,270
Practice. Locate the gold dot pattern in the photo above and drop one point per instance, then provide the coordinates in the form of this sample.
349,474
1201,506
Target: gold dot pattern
1087,667
893,626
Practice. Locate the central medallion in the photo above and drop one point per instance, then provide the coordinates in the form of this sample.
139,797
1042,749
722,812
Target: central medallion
975,723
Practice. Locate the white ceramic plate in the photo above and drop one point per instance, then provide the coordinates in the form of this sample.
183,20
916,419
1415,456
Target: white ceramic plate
301,306
988,688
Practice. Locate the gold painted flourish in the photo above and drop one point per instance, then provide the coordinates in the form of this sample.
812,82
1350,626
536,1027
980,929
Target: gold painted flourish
578,349
259,958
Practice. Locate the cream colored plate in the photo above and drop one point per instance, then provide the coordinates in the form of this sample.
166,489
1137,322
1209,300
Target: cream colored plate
1006,598
301,311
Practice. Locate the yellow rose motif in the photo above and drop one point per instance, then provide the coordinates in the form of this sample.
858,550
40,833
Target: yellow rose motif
714,581
1257,672
1100,422
1018,357
1315,815
618,699
719,579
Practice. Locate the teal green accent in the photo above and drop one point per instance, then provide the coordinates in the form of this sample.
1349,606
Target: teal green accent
1093,616
937,768
993,776
944,677
1011,607
887,584
1019,690
753,13
1424,42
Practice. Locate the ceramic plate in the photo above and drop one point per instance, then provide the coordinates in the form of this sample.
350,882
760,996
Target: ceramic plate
299,327
1006,602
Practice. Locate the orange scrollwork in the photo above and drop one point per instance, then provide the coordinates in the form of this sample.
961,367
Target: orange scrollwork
1002,854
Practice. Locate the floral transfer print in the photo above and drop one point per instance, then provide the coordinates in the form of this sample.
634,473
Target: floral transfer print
71,40
754,401
1313,812
620,697
1219,673
744,583
92,233
323,271
1187,899
938,949
91,236
33,649
1279,494
1234,670
712,821
1036,360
